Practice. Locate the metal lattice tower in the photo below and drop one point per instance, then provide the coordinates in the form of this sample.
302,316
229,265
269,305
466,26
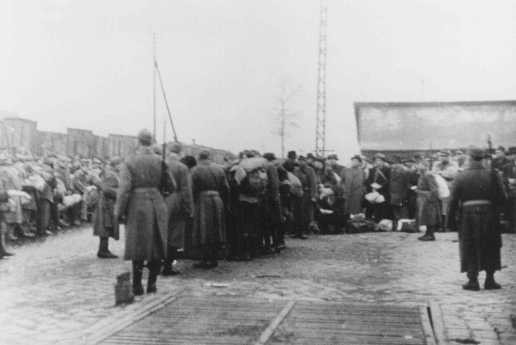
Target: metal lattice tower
320,125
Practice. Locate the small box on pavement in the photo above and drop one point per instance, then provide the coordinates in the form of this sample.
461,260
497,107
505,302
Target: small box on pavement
123,289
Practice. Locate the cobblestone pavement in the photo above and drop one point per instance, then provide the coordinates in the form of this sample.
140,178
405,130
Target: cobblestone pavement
56,289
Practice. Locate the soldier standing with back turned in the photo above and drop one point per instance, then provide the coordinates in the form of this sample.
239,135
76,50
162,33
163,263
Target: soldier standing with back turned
141,205
475,196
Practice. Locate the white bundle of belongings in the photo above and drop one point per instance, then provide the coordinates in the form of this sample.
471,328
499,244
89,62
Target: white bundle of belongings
251,176
247,165
61,188
35,181
296,187
71,200
10,176
325,192
407,225
357,217
384,225
91,195
337,177
15,195
250,164
375,198
442,187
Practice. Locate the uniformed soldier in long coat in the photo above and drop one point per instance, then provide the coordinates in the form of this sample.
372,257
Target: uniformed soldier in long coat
272,204
179,205
210,190
475,195
143,208
104,224
353,186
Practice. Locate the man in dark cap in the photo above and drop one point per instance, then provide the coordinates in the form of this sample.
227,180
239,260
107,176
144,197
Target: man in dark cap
501,162
478,191
379,181
353,188
413,178
332,162
291,157
399,190
271,204
143,208
104,223
310,158
210,192
336,171
310,194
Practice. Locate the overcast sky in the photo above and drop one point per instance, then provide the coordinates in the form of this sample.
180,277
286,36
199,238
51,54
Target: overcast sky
88,64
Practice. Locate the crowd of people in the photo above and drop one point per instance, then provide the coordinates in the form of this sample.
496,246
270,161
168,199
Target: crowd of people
244,208
39,196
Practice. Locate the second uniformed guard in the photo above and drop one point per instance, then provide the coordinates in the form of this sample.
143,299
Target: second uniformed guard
476,193
143,209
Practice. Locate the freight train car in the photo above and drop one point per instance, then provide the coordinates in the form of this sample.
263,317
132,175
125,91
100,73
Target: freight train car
22,135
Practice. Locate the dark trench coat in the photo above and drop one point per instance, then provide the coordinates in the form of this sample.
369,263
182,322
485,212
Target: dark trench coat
210,190
179,203
140,200
428,206
479,232
104,223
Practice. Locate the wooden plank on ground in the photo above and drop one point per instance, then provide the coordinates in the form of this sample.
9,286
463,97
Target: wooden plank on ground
226,320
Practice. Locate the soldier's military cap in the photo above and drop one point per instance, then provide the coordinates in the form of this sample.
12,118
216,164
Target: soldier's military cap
115,161
380,156
476,152
145,137
175,147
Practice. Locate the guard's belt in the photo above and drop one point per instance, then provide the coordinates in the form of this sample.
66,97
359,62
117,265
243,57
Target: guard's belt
476,203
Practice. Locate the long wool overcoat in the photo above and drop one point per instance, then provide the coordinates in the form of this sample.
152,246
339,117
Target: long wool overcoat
353,189
428,206
480,238
210,189
104,224
179,203
140,200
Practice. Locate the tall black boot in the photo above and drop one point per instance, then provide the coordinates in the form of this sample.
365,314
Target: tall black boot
154,268
472,283
490,283
443,223
429,235
137,278
104,252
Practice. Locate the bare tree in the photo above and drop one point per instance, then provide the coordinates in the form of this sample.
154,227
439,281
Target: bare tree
284,117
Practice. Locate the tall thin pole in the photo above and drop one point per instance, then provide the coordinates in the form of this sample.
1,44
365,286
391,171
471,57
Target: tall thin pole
164,121
166,101
282,128
154,85
320,122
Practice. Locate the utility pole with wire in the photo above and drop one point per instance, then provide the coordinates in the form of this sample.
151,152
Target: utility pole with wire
154,86
320,122
285,118
156,76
